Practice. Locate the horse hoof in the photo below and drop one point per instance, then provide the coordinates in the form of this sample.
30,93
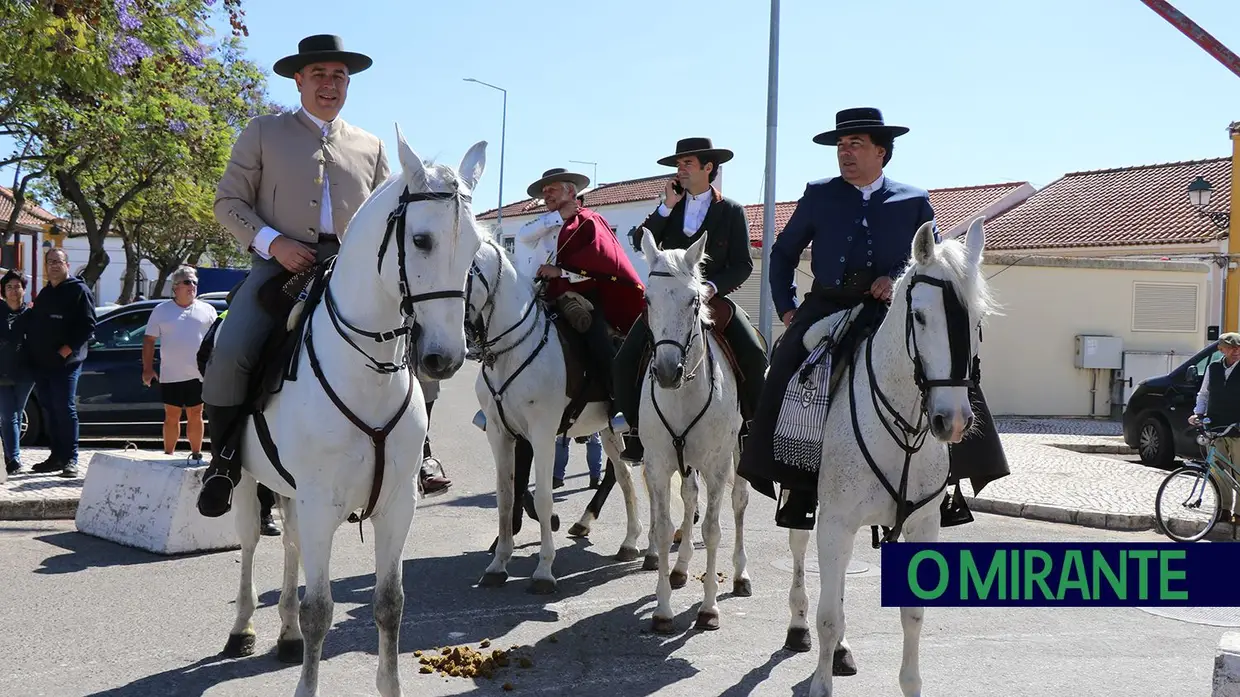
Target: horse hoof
651,563
542,586
707,621
494,579
842,662
627,554
578,530
239,645
662,625
679,579
742,588
798,640
290,650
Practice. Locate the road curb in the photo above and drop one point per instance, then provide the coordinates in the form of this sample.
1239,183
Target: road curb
1125,522
39,509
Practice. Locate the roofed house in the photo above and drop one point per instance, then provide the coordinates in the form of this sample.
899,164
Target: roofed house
1141,212
17,253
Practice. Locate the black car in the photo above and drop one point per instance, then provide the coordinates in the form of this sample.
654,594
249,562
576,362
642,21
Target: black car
111,399
1156,416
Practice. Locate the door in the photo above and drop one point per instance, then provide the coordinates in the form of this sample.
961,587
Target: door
1141,365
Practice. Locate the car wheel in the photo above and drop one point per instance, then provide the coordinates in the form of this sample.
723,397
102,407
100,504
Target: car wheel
1154,442
32,423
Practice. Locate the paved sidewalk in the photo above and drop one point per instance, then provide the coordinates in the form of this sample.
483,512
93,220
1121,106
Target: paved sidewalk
1076,471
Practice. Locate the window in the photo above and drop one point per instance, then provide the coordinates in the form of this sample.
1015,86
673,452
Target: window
510,244
124,331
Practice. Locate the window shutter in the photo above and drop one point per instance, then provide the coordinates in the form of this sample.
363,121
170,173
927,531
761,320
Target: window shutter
1164,307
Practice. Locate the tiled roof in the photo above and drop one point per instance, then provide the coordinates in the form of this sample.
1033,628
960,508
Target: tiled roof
31,216
951,207
1145,205
610,194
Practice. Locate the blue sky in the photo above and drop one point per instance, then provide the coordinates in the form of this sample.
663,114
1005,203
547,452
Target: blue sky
993,91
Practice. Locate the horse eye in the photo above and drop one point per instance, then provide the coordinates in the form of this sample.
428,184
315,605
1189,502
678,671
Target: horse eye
422,241
919,317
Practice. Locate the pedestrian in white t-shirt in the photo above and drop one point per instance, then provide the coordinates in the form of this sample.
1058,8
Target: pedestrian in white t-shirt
180,325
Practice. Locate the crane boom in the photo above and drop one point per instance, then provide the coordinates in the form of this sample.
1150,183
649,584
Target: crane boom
1194,31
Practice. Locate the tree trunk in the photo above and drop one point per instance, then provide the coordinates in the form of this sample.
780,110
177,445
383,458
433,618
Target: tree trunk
132,271
165,270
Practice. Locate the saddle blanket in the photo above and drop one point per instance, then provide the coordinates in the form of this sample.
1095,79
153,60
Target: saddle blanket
807,400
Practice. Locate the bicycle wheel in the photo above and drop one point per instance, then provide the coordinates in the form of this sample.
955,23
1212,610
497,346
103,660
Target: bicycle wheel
1187,504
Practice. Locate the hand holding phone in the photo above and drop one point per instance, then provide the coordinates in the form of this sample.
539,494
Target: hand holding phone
673,192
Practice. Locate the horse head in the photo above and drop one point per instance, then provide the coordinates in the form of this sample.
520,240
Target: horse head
676,309
432,227
944,299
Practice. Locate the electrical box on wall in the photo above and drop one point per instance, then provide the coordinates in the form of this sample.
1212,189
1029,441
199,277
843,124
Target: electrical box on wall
1100,352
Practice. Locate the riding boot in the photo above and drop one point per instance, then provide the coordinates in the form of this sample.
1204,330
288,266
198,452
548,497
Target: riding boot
224,472
603,351
796,509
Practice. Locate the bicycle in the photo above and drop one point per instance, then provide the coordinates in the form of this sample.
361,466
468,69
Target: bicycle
1201,501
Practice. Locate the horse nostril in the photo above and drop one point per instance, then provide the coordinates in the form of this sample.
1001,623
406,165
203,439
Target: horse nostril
435,362
940,423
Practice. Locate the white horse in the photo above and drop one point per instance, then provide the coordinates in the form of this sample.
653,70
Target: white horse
910,377
401,271
691,420
521,389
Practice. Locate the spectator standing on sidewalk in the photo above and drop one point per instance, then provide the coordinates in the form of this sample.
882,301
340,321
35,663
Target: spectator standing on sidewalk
62,321
16,376
594,459
1219,400
179,325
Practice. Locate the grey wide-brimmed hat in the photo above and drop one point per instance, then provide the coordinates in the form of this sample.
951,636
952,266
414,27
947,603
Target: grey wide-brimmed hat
1229,339
557,174
321,48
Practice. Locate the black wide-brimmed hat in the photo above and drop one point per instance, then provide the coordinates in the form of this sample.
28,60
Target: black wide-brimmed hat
321,48
558,174
696,146
858,120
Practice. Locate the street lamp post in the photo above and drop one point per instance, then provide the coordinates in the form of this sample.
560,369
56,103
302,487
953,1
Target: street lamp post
1199,195
503,132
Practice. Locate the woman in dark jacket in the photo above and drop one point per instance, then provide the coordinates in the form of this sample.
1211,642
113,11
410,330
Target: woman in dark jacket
16,377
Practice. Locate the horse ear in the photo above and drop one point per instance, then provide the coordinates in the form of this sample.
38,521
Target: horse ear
650,250
474,162
974,241
923,244
697,251
410,164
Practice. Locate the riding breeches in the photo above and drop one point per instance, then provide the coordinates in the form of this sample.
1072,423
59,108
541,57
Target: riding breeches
239,340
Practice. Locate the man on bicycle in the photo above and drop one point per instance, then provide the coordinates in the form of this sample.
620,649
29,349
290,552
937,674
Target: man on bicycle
1222,406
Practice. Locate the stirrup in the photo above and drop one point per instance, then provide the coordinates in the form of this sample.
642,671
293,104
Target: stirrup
619,424
480,420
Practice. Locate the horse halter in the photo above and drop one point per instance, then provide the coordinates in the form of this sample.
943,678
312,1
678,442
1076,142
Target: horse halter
683,348
481,326
396,222
963,362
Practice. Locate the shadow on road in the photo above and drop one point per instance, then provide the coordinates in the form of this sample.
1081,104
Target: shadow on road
86,552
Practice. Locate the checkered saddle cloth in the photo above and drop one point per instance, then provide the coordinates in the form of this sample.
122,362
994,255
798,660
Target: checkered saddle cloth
807,399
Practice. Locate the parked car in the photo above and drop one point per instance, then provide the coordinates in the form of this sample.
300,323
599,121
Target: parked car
1156,416
111,399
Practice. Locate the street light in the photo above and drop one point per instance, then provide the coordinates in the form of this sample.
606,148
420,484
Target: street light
1199,195
499,211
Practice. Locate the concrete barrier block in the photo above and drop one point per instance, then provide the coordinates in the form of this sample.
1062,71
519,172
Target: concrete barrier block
149,501
1227,666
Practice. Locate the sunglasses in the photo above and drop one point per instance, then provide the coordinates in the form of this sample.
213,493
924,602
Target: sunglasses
189,283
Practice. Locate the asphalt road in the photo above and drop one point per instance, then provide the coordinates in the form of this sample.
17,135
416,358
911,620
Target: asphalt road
83,616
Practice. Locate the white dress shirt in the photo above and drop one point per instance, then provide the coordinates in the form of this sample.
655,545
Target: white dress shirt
696,206
867,190
265,236
537,244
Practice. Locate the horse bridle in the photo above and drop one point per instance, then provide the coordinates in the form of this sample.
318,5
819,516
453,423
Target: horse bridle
911,437
396,228
683,348
486,355
678,441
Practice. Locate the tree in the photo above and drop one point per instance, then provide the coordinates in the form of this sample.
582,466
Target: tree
67,62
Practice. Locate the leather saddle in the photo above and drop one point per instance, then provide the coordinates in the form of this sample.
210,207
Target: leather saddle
581,385
289,299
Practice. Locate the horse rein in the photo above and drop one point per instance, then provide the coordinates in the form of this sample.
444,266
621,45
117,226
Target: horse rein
678,441
911,438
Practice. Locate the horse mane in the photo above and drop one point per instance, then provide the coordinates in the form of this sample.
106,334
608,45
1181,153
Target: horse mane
952,258
676,262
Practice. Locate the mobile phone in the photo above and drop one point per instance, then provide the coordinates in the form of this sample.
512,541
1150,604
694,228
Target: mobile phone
680,190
